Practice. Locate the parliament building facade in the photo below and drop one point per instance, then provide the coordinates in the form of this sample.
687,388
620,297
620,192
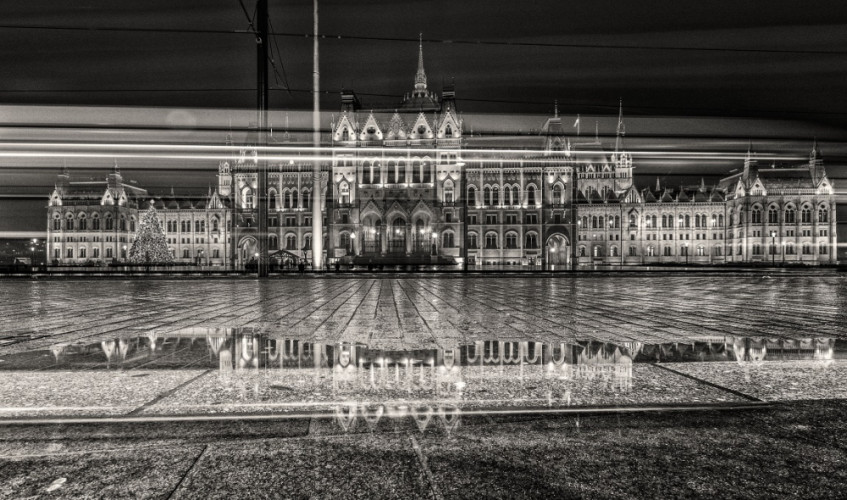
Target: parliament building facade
403,187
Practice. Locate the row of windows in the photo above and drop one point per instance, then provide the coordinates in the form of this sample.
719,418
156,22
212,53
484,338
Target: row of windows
184,226
789,216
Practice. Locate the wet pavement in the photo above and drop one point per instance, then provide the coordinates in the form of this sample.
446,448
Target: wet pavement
670,385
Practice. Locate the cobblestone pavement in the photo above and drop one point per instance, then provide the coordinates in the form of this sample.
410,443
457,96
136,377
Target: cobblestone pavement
427,311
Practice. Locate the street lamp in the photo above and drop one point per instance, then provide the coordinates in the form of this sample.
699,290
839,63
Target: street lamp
434,240
123,253
773,248
353,243
685,250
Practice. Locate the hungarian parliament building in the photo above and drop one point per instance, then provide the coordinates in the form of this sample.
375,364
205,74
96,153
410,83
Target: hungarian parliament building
403,187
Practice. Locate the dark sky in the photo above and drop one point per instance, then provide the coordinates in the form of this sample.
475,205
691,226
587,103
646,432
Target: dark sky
764,60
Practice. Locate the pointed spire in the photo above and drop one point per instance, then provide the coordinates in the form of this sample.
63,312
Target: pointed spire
814,153
702,185
555,108
117,170
620,131
658,185
597,131
420,76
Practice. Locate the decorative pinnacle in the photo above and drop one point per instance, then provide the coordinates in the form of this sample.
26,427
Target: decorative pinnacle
420,76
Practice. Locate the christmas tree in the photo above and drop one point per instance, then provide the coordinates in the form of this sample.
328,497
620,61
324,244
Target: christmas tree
150,246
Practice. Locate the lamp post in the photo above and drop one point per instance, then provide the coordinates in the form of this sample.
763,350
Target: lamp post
123,253
685,250
773,248
434,242
353,244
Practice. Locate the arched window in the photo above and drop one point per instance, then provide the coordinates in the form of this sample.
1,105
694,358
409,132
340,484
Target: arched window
582,251
491,240
57,222
307,242
122,226
687,221
273,244
291,242
651,251
720,220
215,223
615,251
472,243
757,215
83,224
448,191
593,222
823,215
471,195
531,240
584,223
495,196
69,224
392,172
718,251
295,202
773,215
110,223
530,196
448,132
272,204
416,171
95,222
633,220
486,196
307,198
344,241
806,215
790,215
667,251
558,198
247,198
600,222
448,240
345,134
344,193
511,240
701,251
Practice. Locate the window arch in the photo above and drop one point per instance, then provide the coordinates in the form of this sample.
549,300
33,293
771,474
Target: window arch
491,240
531,240
495,195
823,214
272,200
472,195
486,195
344,240
448,239
790,215
773,215
806,215
95,221
273,243
472,241
344,193
511,240
246,198
558,194
448,191
756,214
291,241
530,195
83,223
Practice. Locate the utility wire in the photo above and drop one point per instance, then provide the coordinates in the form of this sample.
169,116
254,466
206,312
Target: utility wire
580,105
427,40
279,57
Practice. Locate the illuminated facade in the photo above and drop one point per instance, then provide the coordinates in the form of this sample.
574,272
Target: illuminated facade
403,187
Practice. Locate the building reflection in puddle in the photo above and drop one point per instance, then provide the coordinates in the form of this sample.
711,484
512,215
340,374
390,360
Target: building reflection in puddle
361,385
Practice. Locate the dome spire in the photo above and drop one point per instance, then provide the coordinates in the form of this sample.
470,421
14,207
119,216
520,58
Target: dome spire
420,76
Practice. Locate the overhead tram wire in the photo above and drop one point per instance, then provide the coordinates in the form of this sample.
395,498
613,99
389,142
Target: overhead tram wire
733,112
427,40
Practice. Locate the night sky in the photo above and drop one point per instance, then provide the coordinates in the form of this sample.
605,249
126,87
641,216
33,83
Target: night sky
772,71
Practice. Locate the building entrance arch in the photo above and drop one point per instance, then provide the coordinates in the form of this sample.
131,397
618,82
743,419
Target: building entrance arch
248,248
558,250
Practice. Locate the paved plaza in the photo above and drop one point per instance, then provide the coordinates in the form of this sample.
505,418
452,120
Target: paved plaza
426,311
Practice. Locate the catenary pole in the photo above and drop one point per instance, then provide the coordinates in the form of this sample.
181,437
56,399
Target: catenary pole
262,165
317,216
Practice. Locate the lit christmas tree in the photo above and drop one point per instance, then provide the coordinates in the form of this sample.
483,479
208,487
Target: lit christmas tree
150,246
